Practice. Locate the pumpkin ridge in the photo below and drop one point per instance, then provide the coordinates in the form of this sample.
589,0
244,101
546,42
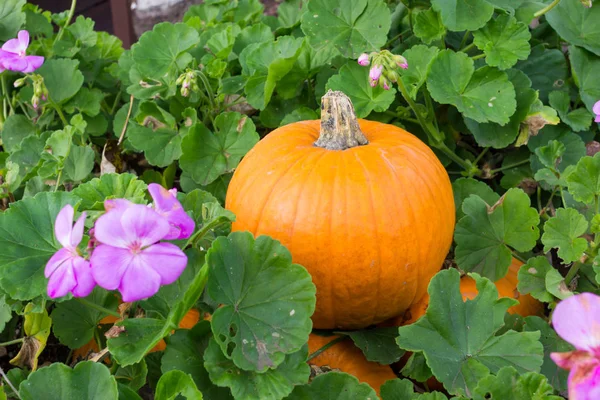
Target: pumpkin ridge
331,231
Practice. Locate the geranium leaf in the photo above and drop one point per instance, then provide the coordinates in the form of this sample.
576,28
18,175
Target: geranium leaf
353,81
207,155
25,251
333,385
508,383
504,41
419,59
563,232
16,128
579,119
428,26
37,330
574,146
350,26
459,338
484,234
584,66
185,353
86,101
11,18
62,78
403,389
83,31
273,384
462,188
584,181
266,300
547,69
378,345
459,15
75,323
133,376
174,384
160,146
299,114
79,163
485,95
110,186
577,24
87,381
532,279
5,312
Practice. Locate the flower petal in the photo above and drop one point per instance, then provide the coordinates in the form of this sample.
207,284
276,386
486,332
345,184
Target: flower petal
577,320
109,230
33,63
596,108
109,264
83,276
584,382
77,232
62,281
166,204
143,225
570,359
139,282
14,46
165,259
56,261
15,63
63,226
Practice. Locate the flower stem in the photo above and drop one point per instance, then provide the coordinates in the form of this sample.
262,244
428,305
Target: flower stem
463,42
546,9
5,100
67,22
209,91
15,391
572,272
509,166
202,232
478,56
97,307
60,113
467,47
480,156
20,340
328,345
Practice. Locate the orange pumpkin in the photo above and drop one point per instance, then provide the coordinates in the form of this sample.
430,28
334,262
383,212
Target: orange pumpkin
348,358
372,223
507,287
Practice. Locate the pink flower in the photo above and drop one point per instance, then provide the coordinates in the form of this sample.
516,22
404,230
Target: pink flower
167,205
15,58
401,61
129,257
577,320
363,59
385,85
596,110
67,270
375,72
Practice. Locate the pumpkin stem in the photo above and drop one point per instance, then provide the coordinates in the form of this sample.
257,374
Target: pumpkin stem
339,125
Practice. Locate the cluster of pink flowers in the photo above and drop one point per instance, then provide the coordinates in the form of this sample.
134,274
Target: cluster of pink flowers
13,55
127,252
383,72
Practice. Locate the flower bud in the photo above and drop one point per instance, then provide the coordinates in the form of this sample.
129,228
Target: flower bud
392,76
363,59
35,102
373,83
383,82
401,61
20,82
375,72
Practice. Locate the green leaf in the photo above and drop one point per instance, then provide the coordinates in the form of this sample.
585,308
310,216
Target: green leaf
459,15
595,224
484,234
403,389
86,101
87,381
133,376
353,80
509,384
142,334
11,18
126,393
25,251
79,163
185,353
207,155
163,49
175,383
333,385
16,128
28,155
584,66
110,186
483,95
550,154
350,26
257,33
556,286
584,181
459,338
83,31
419,59
428,26
5,312
62,78
266,300
576,24
161,146
37,330
547,69
75,322
563,232
532,279
299,114
579,119
574,146
378,345
504,41
416,368
462,188
273,384
289,13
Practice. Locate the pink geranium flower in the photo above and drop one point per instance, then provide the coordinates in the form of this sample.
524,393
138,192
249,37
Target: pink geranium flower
375,72
363,59
14,55
167,205
129,257
67,270
596,110
577,320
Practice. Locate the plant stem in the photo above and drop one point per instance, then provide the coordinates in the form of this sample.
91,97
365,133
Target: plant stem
5,97
328,345
116,102
126,121
21,340
468,47
478,56
97,307
518,257
60,113
546,9
200,233
396,37
480,156
209,91
461,47
572,272
61,31
509,166
15,391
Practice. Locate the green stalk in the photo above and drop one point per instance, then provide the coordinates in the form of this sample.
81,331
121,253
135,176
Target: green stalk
97,307
20,340
464,41
572,272
202,232
60,113
509,166
546,9
478,56
328,345
61,31
5,99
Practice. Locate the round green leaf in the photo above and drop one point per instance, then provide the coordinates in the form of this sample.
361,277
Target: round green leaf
62,78
333,385
378,345
585,66
110,186
266,300
532,279
87,381
133,376
547,69
16,128
504,40
428,26
563,232
273,384
462,188
584,181
460,15
419,59
11,18
161,146
25,251
350,26
174,384
577,24
509,384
